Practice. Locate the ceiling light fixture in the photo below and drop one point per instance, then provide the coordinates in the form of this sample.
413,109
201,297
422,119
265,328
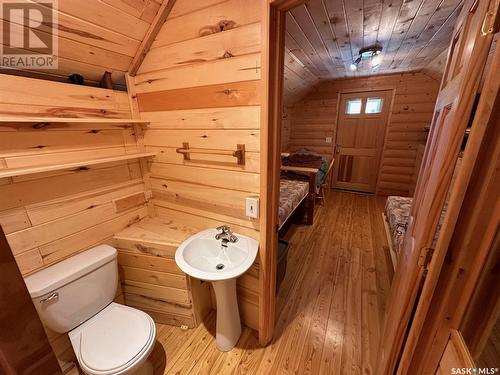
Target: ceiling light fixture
355,63
370,52
376,60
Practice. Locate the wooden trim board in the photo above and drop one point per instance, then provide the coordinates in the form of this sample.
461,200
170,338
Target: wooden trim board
394,257
155,27
72,120
273,39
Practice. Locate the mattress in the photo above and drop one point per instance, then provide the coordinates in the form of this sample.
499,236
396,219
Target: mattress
292,193
397,211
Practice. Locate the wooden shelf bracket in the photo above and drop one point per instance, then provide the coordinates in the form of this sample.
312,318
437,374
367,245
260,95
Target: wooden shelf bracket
239,153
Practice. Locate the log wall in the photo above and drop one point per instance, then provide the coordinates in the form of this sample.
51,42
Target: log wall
314,118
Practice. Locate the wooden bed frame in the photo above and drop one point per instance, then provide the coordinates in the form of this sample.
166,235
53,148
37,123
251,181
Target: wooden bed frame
310,199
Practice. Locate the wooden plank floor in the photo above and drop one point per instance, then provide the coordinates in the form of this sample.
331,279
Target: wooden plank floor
329,307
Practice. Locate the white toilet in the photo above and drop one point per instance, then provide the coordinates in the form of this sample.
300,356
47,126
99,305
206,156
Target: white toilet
76,295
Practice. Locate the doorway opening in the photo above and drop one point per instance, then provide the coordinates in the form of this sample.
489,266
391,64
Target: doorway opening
370,128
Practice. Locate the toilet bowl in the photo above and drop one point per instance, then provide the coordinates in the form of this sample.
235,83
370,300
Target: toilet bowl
76,296
117,340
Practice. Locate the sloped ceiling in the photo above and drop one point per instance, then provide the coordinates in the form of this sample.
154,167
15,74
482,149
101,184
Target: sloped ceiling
323,38
99,35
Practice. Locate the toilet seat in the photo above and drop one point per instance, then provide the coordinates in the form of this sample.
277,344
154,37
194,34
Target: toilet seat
113,341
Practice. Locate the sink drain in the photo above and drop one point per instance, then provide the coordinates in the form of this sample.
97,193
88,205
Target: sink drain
219,266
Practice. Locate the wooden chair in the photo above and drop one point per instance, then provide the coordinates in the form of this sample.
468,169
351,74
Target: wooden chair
325,186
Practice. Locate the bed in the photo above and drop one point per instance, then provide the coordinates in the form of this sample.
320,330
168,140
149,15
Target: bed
292,194
296,195
396,216
303,176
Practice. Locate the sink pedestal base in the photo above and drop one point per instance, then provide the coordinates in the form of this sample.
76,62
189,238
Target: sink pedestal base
228,316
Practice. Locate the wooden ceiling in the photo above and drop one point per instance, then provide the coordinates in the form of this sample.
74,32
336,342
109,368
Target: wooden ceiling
323,38
100,35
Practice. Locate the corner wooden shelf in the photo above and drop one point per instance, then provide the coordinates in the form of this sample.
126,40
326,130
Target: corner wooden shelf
75,120
12,172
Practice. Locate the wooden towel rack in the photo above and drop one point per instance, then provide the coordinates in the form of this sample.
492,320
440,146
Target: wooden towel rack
239,153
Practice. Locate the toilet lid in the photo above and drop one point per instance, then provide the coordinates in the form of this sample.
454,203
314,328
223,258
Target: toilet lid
116,337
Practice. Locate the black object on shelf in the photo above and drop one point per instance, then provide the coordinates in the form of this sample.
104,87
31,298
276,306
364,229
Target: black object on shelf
77,79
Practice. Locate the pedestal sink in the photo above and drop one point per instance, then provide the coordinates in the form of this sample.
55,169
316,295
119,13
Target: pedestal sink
203,257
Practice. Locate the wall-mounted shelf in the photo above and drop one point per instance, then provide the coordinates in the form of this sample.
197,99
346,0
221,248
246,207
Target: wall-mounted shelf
12,172
73,120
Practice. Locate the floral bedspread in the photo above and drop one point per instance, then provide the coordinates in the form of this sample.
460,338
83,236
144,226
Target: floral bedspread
397,211
292,192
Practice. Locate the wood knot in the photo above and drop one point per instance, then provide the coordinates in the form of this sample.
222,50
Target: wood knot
218,27
227,55
141,248
40,125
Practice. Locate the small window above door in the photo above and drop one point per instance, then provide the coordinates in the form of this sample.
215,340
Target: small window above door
353,106
373,105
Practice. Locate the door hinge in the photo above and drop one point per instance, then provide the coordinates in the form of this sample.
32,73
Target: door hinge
491,20
424,259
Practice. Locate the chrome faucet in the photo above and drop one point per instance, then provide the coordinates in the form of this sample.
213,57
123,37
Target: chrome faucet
225,235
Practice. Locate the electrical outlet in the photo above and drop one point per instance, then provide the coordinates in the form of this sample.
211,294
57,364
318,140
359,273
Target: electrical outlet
252,207
328,139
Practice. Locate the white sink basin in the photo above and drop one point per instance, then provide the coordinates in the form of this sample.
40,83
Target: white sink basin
202,256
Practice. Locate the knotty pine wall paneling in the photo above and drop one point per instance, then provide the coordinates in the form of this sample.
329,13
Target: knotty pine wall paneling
50,216
97,36
201,83
315,117
285,128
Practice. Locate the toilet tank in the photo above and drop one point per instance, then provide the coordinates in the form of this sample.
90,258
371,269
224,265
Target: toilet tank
72,291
